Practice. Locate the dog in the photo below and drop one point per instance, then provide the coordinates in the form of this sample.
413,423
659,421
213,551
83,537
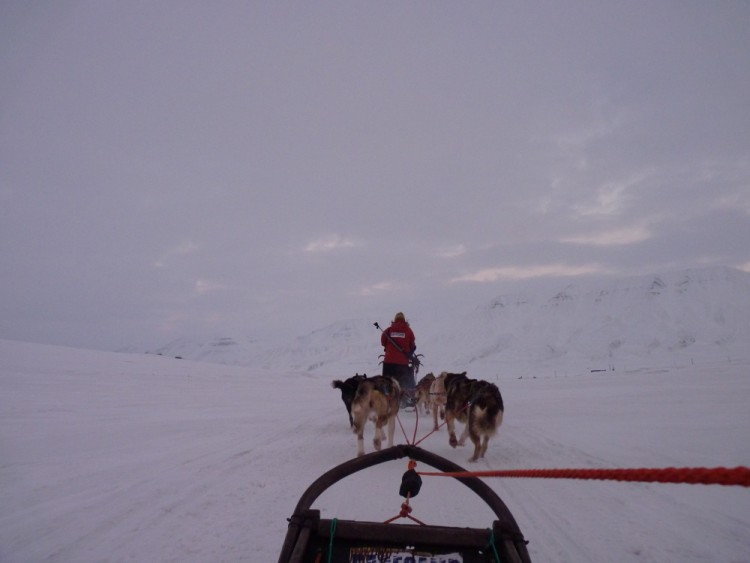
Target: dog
348,389
437,399
377,399
476,403
422,393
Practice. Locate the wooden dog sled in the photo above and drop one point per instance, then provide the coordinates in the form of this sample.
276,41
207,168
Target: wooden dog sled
312,539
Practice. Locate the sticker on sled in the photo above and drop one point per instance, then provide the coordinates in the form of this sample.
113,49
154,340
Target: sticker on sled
392,555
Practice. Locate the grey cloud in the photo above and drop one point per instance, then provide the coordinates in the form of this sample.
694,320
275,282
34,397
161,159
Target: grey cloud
173,168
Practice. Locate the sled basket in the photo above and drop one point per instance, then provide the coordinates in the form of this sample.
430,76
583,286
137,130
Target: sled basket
313,539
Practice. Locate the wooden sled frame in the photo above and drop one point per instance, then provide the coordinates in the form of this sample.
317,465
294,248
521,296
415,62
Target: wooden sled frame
308,536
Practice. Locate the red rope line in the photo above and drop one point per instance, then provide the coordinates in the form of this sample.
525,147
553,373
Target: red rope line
416,427
423,438
405,512
416,424
403,430
692,475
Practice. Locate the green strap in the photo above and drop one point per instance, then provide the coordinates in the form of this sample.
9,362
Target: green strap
492,545
330,543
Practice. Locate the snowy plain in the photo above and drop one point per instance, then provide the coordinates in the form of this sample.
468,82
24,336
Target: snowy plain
123,457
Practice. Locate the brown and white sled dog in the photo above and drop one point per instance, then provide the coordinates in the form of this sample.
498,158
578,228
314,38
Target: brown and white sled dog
476,403
437,399
377,399
422,392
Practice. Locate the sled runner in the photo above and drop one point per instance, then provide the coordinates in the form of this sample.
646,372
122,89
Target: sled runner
313,539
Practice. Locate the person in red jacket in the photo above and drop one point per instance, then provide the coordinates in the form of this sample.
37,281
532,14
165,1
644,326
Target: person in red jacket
400,344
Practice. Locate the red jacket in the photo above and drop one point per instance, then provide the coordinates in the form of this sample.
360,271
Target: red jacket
401,334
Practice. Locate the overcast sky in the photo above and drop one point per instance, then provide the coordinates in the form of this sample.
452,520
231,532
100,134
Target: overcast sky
184,168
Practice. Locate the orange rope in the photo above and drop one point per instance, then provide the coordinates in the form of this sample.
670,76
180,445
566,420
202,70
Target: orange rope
692,475
423,438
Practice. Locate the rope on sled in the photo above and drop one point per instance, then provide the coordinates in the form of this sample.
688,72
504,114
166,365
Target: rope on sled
330,543
739,476
492,545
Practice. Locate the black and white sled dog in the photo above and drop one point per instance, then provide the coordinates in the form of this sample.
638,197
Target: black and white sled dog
348,389
476,403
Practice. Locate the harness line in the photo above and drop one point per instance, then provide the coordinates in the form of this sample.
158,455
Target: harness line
466,406
405,513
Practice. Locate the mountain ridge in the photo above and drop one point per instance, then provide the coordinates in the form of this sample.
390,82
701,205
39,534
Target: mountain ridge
602,324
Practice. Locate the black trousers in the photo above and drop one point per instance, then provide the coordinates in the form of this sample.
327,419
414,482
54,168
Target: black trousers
405,377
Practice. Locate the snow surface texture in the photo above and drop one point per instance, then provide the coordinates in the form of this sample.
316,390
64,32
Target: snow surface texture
117,457
624,324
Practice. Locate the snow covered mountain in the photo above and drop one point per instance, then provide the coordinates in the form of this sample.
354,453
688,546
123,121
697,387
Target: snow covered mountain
617,324
220,350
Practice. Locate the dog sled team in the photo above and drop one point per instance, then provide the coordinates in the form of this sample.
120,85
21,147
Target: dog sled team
450,397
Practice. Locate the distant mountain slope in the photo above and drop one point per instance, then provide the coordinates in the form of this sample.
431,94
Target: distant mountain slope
614,324
657,317
219,350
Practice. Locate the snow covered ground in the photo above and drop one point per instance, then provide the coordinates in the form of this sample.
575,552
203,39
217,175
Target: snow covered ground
116,457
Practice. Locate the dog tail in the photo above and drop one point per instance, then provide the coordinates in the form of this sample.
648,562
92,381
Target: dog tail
337,384
488,397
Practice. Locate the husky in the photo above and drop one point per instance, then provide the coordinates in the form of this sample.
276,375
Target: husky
422,393
476,403
377,399
437,399
348,389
